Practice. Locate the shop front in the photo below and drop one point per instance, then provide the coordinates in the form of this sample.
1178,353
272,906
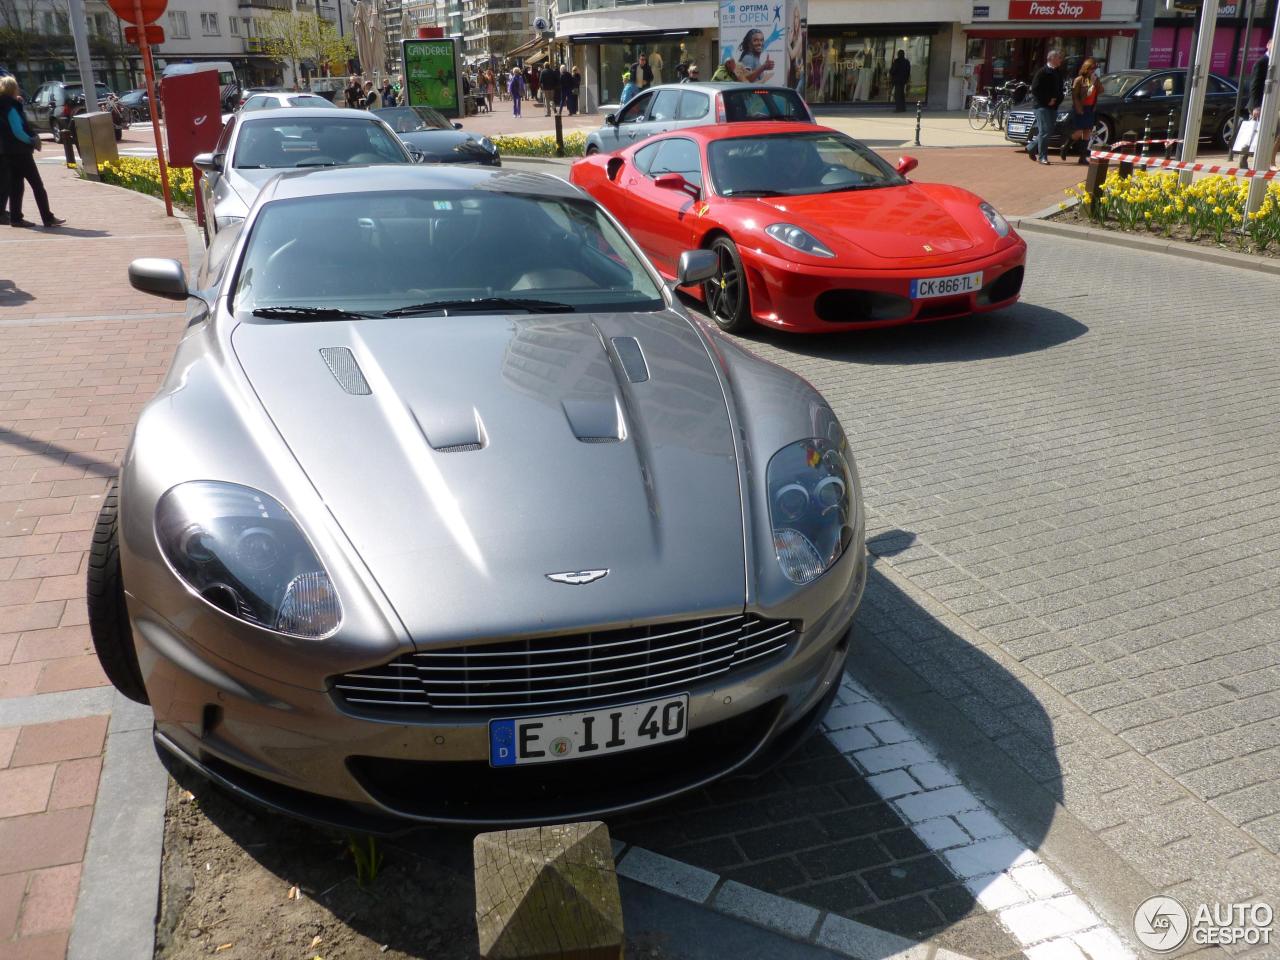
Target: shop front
851,64
1008,40
1236,48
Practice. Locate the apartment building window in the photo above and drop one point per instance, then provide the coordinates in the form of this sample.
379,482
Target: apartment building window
209,24
178,24
234,24
56,22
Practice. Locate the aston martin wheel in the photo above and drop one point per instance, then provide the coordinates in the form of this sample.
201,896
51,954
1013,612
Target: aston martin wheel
728,300
108,618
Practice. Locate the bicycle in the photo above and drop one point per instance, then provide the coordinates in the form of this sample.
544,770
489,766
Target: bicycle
992,108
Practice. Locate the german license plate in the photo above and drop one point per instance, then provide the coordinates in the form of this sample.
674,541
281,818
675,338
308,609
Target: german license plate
573,736
945,286
1018,128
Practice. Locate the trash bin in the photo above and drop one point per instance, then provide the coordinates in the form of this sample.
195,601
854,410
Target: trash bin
96,141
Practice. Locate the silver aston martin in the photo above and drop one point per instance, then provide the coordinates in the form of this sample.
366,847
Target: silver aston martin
448,512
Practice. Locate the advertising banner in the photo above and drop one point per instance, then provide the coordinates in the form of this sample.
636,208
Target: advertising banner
431,75
765,39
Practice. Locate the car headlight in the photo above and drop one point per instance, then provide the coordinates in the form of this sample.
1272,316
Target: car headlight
797,239
488,144
998,223
241,551
224,222
811,507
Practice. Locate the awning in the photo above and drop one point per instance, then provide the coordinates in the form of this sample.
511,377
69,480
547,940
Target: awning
1013,31
527,47
536,58
625,36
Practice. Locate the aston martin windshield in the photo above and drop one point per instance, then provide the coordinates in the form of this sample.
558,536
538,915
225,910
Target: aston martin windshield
413,119
277,143
795,164
428,252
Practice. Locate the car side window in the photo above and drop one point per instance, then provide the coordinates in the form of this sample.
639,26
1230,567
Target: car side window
1218,86
635,111
642,159
664,105
224,139
678,156
1161,85
693,105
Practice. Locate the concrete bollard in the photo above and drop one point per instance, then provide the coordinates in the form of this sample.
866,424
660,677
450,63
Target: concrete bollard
548,893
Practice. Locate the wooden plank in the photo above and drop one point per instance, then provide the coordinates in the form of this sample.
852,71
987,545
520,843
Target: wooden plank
548,893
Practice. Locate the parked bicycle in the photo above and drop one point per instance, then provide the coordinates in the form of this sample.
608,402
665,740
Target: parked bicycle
990,109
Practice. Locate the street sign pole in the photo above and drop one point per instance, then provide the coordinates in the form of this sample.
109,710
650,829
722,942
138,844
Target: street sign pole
80,36
1198,80
1266,123
150,72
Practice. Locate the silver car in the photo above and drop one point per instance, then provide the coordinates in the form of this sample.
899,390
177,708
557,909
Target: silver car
256,146
675,105
417,533
276,99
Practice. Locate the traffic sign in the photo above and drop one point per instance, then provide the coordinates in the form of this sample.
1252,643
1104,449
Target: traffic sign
152,10
155,34
540,24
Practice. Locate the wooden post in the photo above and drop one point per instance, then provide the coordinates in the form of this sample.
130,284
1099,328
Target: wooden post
548,893
1093,180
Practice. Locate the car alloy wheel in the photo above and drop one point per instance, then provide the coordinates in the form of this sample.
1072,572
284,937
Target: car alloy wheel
728,299
1101,135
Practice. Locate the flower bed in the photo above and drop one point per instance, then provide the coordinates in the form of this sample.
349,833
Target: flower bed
143,174
575,145
1209,210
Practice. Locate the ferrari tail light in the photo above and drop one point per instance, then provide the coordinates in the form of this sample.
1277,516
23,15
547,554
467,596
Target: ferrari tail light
721,116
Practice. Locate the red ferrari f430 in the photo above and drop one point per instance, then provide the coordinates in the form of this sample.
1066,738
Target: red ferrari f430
813,230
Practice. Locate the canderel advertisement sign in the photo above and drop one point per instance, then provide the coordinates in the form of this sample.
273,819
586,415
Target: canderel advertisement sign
431,74
765,39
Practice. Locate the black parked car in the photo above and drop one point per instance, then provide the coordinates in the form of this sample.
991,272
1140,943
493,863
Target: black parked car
433,139
55,103
137,106
1127,97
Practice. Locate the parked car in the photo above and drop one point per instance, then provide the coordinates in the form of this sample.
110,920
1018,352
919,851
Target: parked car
675,105
254,147
812,230
55,104
433,139
137,106
414,533
248,92
1128,97
271,101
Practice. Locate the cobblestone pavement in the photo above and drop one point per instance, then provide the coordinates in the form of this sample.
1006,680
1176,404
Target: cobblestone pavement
1084,489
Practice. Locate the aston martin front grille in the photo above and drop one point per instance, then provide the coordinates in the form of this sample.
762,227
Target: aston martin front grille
577,671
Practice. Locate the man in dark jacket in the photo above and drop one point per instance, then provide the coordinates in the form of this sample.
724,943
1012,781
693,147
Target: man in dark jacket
354,93
899,75
1257,86
642,72
1046,91
549,82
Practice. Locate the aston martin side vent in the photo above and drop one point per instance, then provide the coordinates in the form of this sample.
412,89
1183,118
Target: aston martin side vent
595,421
342,364
460,448
632,357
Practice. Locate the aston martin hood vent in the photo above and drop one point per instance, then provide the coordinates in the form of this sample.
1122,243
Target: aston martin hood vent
564,463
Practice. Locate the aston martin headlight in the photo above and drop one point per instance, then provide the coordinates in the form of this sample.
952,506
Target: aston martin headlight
798,239
811,507
241,551
998,223
488,145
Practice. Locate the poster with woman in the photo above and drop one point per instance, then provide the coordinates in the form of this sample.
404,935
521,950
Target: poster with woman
754,35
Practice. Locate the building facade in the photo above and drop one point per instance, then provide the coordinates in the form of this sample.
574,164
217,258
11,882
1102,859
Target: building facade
955,47
1168,41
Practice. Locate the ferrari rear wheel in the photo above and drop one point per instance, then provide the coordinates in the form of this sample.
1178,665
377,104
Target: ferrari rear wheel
108,617
728,300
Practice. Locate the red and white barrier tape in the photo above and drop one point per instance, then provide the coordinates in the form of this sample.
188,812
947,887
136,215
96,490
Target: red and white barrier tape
1140,161
1150,143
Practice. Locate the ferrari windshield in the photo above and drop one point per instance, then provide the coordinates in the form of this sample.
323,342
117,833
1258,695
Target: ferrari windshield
278,143
425,251
795,163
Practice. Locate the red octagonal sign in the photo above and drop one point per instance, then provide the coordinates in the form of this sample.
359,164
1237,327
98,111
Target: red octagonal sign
152,10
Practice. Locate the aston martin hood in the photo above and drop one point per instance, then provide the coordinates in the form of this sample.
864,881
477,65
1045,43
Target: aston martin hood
891,222
467,458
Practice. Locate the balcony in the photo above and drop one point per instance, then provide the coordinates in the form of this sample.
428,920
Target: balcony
265,4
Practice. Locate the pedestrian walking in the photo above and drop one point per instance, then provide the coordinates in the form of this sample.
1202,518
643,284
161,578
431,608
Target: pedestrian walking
19,143
549,80
564,82
900,76
727,72
370,96
629,89
690,74
490,88
387,94
1046,91
516,88
532,84
575,84
1084,95
1257,84
642,72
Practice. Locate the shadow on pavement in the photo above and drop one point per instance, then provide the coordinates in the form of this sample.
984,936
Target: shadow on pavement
11,294
1022,328
67,231
50,448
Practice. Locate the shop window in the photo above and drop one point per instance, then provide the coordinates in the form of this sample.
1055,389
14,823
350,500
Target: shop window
854,68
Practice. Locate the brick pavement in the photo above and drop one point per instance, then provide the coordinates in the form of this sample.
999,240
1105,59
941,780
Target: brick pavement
80,352
1087,489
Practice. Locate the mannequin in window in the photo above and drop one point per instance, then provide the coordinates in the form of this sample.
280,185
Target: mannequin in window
866,67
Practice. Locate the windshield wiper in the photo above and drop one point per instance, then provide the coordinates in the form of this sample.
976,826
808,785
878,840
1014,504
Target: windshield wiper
482,303
309,313
756,193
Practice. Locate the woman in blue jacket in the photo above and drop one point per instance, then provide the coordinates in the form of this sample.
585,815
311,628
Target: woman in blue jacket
629,89
19,143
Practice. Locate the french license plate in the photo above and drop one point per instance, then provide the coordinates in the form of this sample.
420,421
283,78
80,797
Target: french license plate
572,736
945,286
